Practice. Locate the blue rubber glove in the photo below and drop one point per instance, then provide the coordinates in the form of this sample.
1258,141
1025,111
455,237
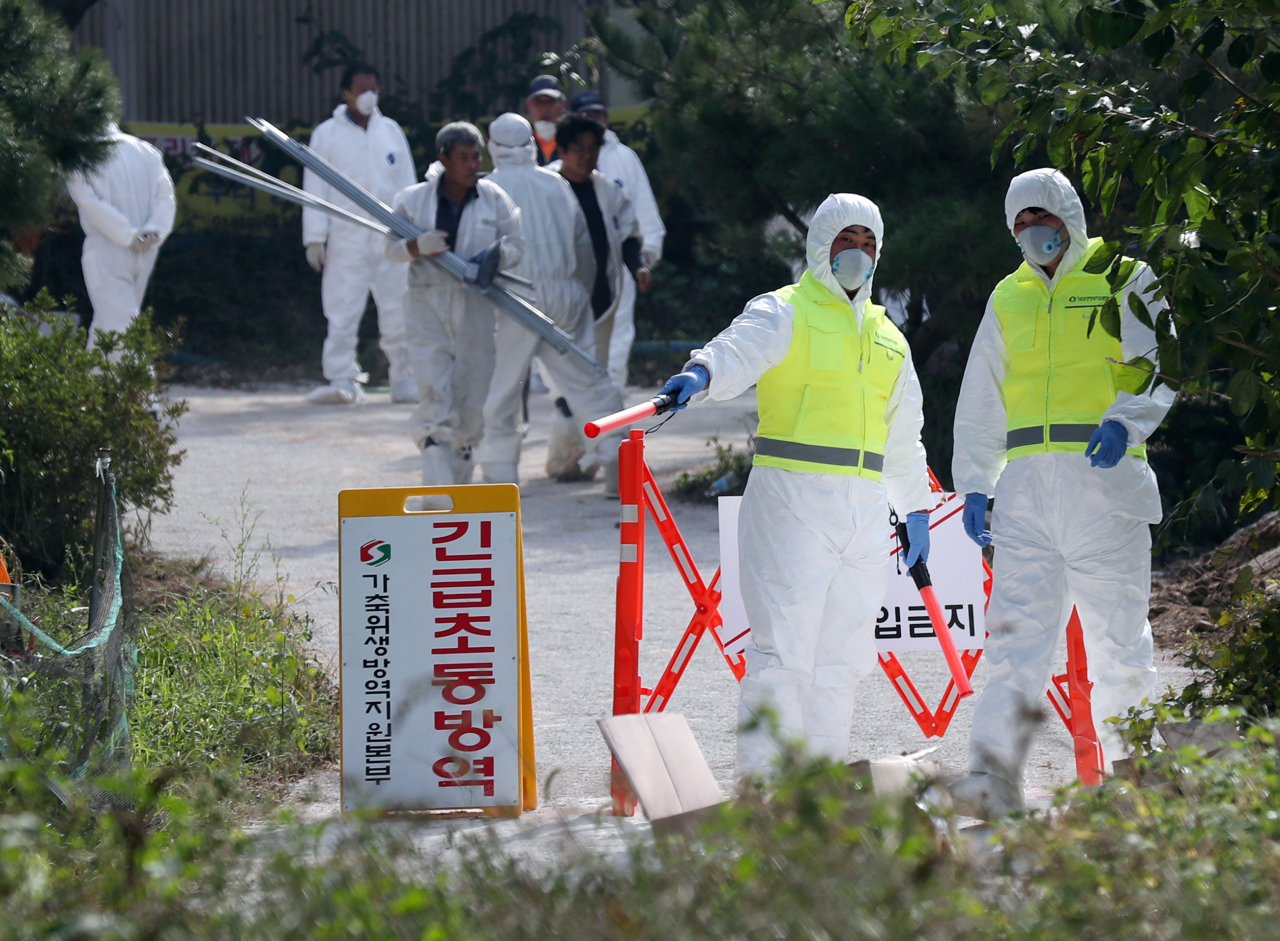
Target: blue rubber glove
918,536
686,385
1107,445
975,518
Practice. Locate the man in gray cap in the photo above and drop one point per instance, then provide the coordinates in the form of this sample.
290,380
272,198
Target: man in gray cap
620,164
546,102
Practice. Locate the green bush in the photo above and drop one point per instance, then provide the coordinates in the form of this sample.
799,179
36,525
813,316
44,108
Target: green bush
60,403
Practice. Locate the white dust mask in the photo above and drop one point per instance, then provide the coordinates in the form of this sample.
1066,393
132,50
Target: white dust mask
852,268
1041,243
366,102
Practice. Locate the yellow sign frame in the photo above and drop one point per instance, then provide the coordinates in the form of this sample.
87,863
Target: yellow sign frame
471,498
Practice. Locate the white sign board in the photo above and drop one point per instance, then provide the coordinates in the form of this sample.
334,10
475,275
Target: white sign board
430,661
902,624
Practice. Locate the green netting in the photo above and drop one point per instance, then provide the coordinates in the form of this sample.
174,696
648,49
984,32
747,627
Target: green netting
83,689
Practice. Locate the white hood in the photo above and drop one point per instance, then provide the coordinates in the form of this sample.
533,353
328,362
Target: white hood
1049,189
504,158
837,212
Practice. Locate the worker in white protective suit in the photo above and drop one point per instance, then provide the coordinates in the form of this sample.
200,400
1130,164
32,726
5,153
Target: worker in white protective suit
1051,421
448,326
558,260
622,165
615,244
838,442
126,210
371,150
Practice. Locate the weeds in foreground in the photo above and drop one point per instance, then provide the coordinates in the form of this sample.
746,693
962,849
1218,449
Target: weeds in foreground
1194,855
725,477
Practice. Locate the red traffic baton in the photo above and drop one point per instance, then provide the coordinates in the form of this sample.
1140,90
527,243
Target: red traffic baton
924,584
629,416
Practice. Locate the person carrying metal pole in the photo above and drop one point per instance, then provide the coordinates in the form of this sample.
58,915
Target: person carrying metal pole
1051,420
558,260
372,150
449,328
838,441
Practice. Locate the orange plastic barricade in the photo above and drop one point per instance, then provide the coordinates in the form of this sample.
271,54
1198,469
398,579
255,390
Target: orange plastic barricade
1069,693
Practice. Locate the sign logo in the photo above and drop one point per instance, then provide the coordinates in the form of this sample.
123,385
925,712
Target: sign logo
375,552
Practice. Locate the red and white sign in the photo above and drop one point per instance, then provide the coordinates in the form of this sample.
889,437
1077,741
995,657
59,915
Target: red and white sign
430,661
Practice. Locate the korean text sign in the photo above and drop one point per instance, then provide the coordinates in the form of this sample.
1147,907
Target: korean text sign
434,690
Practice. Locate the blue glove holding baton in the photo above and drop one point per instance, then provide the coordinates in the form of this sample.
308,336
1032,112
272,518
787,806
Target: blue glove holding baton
686,385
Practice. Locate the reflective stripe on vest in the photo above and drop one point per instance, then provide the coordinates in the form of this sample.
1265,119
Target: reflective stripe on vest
1060,380
822,408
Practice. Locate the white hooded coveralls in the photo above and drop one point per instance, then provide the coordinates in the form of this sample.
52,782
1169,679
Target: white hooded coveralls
813,548
377,158
622,165
449,327
558,260
1066,533
620,224
130,194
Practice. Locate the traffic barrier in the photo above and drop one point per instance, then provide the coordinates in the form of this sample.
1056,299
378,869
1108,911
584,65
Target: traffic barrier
639,496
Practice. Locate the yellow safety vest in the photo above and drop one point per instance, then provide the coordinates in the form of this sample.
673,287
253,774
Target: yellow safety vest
1060,380
822,408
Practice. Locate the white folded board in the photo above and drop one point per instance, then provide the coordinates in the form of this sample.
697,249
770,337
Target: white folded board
902,624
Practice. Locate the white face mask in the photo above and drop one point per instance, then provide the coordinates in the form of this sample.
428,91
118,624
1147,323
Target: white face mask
366,102
1042,243
546,130
852,268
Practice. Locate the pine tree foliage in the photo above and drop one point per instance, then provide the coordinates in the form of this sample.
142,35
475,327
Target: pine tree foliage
55,107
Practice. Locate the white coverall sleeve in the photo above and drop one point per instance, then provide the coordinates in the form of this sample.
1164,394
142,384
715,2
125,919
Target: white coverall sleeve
756,341
99,213
981,426
315,224
393,247
164,205
628,225
906,468
1142,414
507,215
652,231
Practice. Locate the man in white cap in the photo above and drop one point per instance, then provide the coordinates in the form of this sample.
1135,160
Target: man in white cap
838,442
622,165
558,259
371,150
126,210
545,104
1051,420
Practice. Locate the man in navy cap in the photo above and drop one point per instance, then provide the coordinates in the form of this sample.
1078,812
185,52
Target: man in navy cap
620,164
545,103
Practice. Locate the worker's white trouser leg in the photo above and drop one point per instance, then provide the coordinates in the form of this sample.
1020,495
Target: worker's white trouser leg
390,284
116,279
1065,533
449,333
588,391
353,267
814,557
624,332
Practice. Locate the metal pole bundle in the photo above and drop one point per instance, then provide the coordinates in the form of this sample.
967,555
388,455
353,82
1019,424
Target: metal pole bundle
392,224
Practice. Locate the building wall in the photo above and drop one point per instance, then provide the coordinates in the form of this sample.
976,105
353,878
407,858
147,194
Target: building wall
219,60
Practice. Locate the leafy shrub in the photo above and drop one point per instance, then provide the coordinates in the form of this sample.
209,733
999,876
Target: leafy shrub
727,477
60,403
